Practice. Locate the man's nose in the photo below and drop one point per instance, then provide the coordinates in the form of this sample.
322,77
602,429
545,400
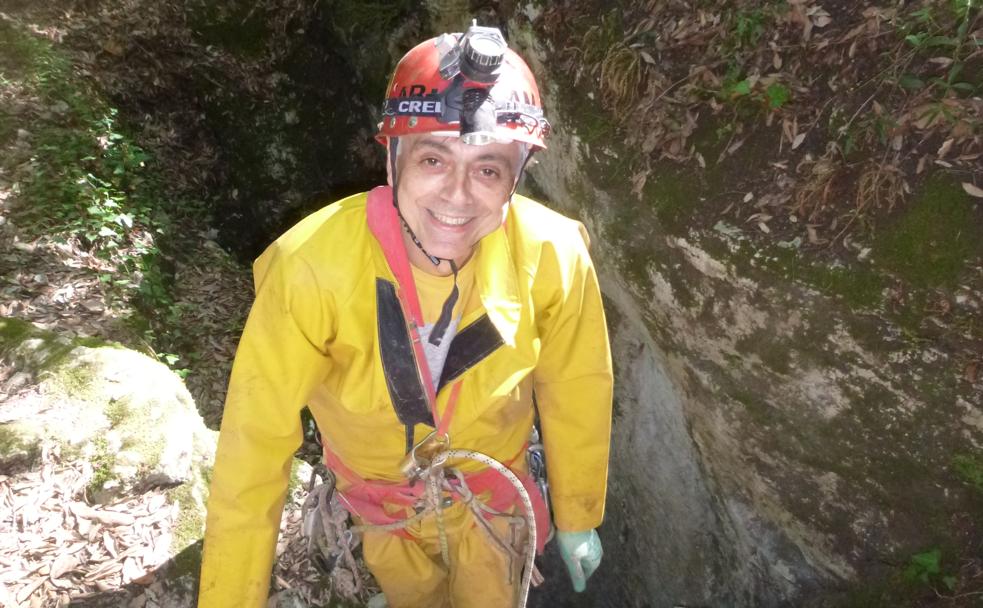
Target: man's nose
458,186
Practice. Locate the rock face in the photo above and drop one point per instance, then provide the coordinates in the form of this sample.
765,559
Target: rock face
772,442
122,434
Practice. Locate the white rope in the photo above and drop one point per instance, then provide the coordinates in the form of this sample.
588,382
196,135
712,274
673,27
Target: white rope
433,503
441,458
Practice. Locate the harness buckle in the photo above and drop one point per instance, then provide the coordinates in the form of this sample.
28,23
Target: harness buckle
421,456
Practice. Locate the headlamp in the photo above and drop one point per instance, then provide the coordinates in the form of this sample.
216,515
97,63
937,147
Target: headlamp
478,117
477,54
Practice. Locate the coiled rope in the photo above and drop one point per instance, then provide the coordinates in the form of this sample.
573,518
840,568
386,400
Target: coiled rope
433,502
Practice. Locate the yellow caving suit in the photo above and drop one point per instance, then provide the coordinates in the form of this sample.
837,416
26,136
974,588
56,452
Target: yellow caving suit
312,338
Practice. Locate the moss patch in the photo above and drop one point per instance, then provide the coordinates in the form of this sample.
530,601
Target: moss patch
13,332
34,349
103,461
22,55
15,451
969,468
930,244
186,539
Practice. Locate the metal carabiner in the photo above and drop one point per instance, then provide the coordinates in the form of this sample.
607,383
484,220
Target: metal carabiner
421,455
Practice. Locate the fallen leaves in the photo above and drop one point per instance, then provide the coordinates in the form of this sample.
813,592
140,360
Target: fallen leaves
972,190
53,545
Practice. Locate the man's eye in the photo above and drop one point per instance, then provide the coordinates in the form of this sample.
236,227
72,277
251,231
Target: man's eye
488,172
430,161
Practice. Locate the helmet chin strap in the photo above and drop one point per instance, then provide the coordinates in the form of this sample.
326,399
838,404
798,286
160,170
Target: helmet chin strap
440,327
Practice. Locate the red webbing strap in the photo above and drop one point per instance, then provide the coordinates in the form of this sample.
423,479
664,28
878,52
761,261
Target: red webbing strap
386,228
366,498
504,495
445,420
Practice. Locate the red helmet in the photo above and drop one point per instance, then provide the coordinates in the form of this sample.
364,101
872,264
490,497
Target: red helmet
471,85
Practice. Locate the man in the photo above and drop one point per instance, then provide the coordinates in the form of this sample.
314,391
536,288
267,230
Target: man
439,313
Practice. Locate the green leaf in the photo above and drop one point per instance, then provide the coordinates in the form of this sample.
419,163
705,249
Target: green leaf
910,82
964,86
915,40
949,582
741,88
942,41
923,15
929,561
954,71
848,144
964,26
778,95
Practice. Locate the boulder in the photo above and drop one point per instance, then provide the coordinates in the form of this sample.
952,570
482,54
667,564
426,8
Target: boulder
107,444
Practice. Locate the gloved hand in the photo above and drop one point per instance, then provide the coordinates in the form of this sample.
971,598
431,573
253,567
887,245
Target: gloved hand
581,552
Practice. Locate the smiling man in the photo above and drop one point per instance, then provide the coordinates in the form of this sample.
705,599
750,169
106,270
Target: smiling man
428,324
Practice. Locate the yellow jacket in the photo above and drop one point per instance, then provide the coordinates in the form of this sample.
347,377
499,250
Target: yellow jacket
311,339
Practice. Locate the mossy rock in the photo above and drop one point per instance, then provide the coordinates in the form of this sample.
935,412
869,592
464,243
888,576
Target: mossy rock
933,241
130,416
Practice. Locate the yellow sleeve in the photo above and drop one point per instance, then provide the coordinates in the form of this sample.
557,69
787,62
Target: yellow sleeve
280,359
573,387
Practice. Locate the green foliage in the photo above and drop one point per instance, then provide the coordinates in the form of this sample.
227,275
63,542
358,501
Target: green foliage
749,25
969,468
87,181
926,568
103,460
740,89
778,95
941,32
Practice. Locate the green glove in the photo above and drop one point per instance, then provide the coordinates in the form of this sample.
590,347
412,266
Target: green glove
581,552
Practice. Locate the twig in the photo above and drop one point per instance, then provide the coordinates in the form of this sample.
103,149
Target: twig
675,84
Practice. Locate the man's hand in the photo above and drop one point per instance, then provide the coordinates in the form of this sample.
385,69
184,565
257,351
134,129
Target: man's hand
581,552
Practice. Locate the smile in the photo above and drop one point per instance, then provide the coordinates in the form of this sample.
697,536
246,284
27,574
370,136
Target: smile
449,220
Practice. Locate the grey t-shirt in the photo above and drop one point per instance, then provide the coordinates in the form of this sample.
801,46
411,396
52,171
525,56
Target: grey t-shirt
437,354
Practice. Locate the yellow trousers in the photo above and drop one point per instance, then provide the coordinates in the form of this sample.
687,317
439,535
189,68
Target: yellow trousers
413,575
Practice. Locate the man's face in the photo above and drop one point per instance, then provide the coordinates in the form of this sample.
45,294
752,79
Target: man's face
452,194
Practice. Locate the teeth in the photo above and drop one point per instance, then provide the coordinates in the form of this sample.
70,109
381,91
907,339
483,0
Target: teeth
450,220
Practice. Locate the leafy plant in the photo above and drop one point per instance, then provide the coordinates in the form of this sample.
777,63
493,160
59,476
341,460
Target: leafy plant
970,469
88,183
749,25
942,34
926,568
777,95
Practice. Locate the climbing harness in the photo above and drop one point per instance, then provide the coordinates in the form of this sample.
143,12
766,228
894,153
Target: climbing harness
429,463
